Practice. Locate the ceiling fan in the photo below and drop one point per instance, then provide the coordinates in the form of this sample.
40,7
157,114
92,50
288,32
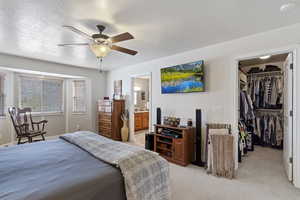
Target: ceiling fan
101,44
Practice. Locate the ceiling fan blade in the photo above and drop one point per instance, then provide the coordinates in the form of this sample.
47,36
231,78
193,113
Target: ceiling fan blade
121,37
123,50
75,30
73,44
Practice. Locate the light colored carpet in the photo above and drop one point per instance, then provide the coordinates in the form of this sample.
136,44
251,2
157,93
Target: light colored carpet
140,138
260,177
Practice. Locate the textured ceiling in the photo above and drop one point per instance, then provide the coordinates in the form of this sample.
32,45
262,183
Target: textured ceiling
33,28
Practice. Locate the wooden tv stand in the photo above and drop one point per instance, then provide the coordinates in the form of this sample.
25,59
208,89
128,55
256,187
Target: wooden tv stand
176,150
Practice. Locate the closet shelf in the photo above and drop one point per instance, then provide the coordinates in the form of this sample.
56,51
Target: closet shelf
271,73
268,110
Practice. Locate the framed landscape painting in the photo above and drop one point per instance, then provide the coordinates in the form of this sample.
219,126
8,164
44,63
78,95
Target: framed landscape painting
183,78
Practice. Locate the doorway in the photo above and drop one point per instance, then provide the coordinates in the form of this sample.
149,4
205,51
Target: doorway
141,94
265,111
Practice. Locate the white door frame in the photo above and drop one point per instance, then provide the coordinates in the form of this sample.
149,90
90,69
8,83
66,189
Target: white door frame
131,105
296,95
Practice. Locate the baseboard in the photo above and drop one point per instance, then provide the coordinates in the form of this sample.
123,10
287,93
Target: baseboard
6,145
15,142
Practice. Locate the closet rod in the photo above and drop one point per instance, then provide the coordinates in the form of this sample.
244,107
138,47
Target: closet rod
273,73
268,110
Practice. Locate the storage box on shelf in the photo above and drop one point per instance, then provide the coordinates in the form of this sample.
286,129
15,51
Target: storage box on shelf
179,149
109,118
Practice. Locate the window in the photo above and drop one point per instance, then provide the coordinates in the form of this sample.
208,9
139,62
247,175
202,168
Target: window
2,96
136,94
79,96
41,95
135,97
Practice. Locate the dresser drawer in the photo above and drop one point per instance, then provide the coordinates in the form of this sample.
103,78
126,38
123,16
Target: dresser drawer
104,117
105,113
106,134
105,129
105,123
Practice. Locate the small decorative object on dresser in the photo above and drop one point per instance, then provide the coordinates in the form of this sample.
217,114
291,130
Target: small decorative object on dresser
124,129
109,118
171,121
189,122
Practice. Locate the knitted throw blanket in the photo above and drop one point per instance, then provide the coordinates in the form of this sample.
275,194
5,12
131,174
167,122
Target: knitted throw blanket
222,155
146,174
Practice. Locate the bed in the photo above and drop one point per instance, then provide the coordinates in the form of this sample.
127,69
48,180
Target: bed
56,170
59,169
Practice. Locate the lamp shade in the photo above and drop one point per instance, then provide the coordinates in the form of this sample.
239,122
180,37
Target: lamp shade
100,50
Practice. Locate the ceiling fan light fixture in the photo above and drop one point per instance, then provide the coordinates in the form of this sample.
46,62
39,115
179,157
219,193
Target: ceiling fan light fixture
265,57
100,50
288,6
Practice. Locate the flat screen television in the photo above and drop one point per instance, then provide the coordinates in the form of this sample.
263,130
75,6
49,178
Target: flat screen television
184,78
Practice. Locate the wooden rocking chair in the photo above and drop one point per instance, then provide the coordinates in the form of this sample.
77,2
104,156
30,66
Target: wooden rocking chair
25,128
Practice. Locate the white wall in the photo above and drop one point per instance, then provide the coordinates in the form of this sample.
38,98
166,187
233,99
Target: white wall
58,124
9,90
219,102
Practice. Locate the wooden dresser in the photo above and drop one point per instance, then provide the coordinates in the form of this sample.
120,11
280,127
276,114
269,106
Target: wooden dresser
177,150
109,118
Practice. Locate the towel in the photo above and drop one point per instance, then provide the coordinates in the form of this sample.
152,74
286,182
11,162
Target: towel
221,155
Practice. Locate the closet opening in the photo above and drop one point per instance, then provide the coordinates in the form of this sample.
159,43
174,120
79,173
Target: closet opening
265,123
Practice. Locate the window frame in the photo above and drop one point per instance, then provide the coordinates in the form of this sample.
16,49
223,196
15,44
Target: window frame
42,113
4,76
135,97
85,100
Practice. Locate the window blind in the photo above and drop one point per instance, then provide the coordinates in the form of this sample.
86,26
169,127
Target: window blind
41,95
52,100
79,96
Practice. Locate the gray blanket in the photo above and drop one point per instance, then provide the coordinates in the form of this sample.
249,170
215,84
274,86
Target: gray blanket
146,174
56,170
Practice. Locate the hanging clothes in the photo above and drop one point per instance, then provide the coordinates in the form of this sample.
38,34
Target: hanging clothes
280,90
266,92
269,129
246,107
257,127
279,131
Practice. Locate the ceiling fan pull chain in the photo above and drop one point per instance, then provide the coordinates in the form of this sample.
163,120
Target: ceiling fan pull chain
100,65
